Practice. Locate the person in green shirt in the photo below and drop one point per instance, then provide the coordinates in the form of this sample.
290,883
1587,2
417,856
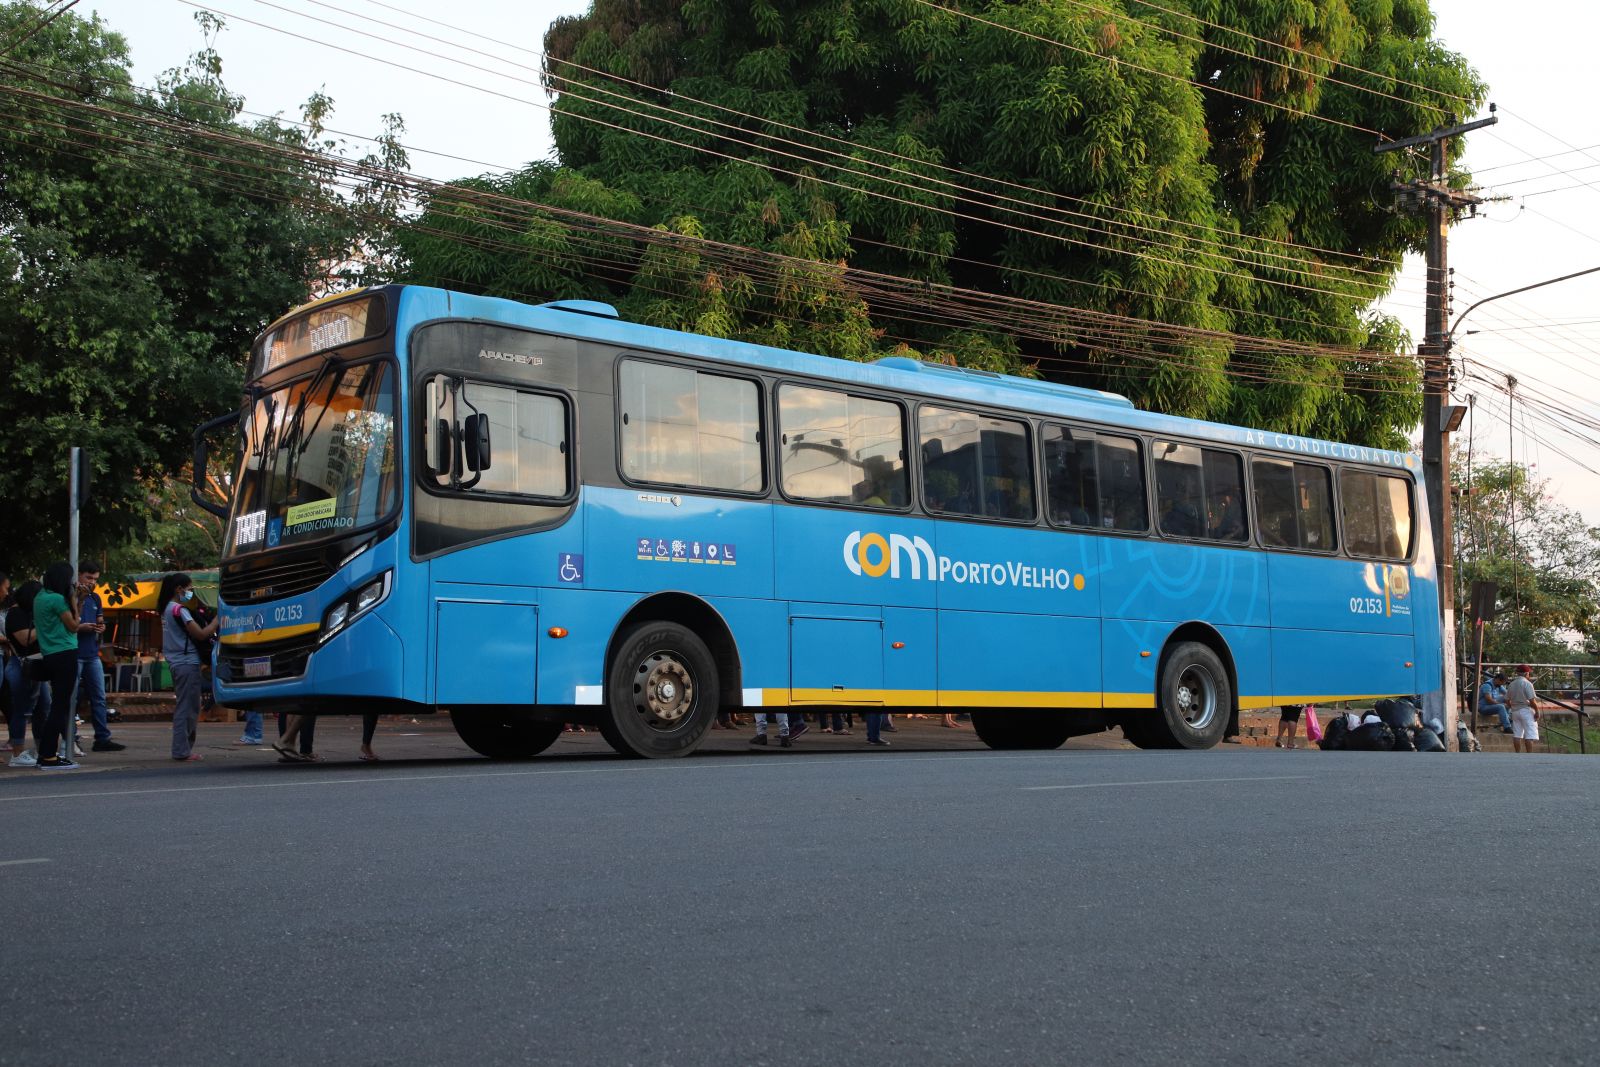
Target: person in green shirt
55,617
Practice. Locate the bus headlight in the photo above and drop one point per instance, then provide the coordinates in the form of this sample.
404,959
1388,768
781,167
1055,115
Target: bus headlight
336,619
355,605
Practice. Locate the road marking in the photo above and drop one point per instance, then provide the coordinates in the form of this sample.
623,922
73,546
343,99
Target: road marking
378,777
19,863
1165,781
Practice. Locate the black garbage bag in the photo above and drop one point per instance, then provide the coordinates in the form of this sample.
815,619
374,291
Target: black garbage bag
1428,741
1335,734
1400,714
1371,737
1402,740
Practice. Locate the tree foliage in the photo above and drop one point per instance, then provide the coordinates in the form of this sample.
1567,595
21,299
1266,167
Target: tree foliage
1544,557
1110,181
137,260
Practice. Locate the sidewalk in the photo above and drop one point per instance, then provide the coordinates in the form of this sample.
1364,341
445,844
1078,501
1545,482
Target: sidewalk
431,737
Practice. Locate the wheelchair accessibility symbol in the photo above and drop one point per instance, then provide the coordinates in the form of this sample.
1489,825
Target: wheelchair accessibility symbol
571,570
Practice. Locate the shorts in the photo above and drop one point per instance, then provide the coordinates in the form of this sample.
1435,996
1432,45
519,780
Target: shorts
1523,726
1289,712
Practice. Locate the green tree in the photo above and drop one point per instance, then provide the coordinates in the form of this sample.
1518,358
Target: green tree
1511,530
138,257
1110,182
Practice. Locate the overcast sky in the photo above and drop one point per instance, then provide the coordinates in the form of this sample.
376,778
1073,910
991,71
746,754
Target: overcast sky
1540,78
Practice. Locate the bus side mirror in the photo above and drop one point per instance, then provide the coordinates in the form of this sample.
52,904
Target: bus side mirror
476,436
439,460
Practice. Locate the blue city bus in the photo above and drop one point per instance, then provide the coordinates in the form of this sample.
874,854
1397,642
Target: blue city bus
538,515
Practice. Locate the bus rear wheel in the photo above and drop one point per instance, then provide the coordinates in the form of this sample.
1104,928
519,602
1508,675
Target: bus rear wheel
1021,729
1195,698
662,692
501,735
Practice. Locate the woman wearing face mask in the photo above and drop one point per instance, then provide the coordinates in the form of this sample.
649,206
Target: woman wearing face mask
180,636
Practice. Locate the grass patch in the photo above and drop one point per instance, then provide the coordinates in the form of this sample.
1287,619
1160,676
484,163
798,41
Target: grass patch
1561,733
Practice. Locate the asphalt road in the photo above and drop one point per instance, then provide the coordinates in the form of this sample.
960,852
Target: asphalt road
1084,907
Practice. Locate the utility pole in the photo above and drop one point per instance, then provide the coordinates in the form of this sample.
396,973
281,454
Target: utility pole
1441,203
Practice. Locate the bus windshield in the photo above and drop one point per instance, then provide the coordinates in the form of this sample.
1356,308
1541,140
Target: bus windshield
318,458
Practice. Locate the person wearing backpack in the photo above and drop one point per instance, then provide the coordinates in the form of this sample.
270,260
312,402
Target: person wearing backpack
181,638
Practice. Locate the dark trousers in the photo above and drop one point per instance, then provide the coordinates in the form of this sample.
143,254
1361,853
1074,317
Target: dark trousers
62,668
369,726
308,732
874,724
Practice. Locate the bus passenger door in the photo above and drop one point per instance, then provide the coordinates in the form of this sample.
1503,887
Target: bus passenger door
486,652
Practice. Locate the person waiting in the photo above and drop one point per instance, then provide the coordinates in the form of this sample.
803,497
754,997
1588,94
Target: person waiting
1492,700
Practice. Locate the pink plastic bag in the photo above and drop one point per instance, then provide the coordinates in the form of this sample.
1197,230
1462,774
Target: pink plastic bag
1313,727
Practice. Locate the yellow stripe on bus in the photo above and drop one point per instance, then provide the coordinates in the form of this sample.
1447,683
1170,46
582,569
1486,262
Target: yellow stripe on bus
277,633
965,698
985,698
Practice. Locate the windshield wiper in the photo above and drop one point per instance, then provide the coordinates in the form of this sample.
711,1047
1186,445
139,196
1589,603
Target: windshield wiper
292,440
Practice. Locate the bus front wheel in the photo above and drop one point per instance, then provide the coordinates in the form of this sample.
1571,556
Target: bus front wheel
499,735
1021,729
1195,698
662,692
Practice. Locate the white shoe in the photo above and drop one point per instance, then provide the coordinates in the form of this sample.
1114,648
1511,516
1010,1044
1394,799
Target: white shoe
77,750
24,759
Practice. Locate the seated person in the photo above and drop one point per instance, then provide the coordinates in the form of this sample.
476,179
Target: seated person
1227,518
1492,700
1180,518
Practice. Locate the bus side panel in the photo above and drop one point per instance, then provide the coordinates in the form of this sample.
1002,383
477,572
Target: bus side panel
910,660
760,637
1149,587
572,668
835,658
648,542
1163,581
989,660
1251,649
1018,617
854,557
1342,629
486,652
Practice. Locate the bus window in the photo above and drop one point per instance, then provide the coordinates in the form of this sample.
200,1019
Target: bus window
842,449
1224,496
1178,491
1294,505
1377,514
1071,478
686,427
1314,489
1200,492
1277,520
527,438
975,465
1122,497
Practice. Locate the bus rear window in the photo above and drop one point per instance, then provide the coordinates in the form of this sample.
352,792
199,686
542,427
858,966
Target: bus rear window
1377,513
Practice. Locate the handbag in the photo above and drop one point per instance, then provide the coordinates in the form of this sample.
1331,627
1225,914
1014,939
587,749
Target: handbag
1313,725
35,668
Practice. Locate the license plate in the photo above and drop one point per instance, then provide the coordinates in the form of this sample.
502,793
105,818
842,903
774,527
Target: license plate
259,667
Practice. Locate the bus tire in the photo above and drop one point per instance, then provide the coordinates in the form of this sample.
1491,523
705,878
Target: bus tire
1195,698
662,692
504,736
1142,730
1021,729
